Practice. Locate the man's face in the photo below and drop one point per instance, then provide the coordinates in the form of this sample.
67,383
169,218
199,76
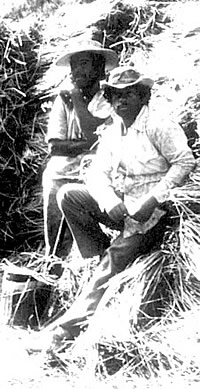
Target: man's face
82,69
127,102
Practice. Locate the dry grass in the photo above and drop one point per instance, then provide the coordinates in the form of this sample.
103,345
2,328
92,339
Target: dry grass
145,331
149,334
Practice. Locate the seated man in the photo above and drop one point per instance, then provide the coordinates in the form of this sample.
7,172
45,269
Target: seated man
141,156
71,131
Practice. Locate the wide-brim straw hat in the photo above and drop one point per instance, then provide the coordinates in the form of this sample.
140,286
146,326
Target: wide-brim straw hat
80,46
124,76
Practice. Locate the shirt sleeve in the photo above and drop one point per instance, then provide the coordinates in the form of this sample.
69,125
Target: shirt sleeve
99,106
172,144
58,121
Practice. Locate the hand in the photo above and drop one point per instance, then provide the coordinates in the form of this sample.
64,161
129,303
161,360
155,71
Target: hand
146,210
70,88
118,212
74,90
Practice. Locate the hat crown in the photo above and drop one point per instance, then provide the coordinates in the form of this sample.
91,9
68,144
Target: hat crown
124,76
76,46
85,45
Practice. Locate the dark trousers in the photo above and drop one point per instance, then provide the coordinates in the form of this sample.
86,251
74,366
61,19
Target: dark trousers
84,219
58,238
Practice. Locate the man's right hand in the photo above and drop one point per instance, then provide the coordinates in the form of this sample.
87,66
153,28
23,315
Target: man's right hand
118,213
71,88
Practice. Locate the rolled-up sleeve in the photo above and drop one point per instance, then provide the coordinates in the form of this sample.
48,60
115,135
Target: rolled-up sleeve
57,125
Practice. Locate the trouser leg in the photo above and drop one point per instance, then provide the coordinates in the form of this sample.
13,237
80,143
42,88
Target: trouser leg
122,252
52,220
84,217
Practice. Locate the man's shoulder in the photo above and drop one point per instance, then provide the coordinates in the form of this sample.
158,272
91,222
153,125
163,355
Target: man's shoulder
162,116
162,120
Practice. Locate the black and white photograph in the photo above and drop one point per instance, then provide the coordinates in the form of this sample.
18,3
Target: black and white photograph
100,194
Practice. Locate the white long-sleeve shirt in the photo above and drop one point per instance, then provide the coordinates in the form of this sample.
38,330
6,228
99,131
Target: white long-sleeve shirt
146,159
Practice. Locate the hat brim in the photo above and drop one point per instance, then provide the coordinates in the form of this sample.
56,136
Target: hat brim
110,56
142,80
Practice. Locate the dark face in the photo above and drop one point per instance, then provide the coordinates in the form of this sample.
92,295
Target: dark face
83,70
127,102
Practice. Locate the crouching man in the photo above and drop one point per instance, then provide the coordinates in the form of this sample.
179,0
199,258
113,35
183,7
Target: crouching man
141,157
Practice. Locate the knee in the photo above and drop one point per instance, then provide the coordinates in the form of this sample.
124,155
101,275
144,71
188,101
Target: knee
62,195
66,195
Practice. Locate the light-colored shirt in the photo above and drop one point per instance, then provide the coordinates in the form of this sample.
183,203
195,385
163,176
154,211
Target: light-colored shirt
64,125
63,122
146,159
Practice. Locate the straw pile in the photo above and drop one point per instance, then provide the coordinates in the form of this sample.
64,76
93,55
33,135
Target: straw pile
127,26
148,301
124,26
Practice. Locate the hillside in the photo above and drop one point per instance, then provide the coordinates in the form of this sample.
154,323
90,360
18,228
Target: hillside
162,39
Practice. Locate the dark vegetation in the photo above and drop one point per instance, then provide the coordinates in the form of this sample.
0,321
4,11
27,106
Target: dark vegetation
22,147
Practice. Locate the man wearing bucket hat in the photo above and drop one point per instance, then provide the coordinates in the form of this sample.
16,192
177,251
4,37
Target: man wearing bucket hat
71,131
140,158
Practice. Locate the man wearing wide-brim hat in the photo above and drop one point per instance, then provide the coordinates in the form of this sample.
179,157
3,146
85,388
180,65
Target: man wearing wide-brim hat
71,130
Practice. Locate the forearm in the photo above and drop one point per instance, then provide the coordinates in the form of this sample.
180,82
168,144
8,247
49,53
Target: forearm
70,148
174,177
171,142
160,192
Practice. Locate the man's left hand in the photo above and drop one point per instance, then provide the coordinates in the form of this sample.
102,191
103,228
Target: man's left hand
146,210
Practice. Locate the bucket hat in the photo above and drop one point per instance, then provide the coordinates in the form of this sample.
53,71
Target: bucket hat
79,46
124,76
